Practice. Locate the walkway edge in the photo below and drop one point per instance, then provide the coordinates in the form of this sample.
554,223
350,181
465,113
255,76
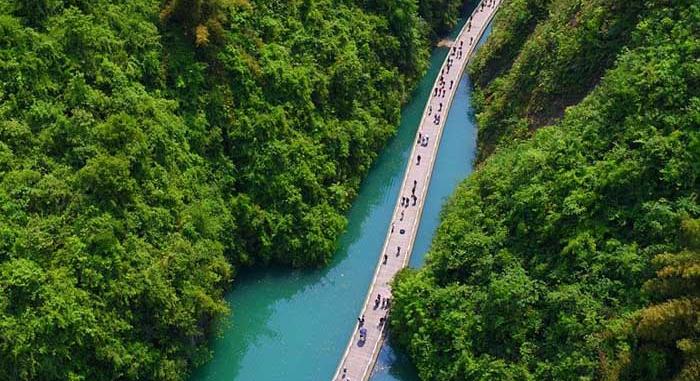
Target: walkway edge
366,372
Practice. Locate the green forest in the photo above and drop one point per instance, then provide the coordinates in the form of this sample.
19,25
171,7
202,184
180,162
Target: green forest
573,251
151,149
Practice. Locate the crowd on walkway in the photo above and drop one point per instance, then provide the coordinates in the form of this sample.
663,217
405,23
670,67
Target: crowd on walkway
437,110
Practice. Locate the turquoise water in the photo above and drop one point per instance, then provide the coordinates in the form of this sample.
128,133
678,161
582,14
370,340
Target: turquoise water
294,325
453,164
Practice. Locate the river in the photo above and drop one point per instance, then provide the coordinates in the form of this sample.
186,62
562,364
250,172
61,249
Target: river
294,324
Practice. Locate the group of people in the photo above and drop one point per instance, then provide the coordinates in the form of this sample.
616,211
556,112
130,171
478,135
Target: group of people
488,3
384,302
441,89
423,139
456,52
379,303
436,121
406,202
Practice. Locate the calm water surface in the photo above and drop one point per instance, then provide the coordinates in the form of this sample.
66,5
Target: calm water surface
453,164
294,325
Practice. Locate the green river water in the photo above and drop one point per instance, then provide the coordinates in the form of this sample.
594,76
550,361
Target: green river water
294,325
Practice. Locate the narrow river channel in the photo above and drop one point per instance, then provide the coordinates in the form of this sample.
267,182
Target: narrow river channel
294,325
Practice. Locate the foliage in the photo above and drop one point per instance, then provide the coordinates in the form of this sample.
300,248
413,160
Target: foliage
148,148
663,340
513,24
441,15
561,60
203,19
542,255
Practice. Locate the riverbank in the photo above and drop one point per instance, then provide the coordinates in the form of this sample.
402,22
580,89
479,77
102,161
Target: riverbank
293,324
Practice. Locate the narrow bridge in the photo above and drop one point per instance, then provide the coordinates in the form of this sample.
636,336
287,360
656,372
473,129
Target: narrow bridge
366,340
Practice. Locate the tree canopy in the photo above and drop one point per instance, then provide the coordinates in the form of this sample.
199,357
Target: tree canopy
148,149
549,262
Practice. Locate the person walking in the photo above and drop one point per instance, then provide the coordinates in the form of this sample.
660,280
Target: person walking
418,160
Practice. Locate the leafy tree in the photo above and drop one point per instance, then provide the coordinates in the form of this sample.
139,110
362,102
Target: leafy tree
662,341
150,149
543,265
202,20
548,55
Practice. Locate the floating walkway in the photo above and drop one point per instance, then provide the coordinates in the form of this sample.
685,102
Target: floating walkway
366,340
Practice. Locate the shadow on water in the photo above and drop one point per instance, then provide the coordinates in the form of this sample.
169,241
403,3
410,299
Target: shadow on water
294,324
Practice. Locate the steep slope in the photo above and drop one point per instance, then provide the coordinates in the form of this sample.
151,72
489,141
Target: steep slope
148,148
541,254
544,56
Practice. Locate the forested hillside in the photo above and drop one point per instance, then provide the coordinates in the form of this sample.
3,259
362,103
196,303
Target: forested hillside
149,148
572,252
543,56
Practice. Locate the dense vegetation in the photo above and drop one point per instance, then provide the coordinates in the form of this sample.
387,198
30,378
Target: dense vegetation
552,260
550,54
663,340
148,148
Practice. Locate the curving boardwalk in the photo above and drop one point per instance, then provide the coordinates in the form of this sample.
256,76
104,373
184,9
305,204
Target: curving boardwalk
360,355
